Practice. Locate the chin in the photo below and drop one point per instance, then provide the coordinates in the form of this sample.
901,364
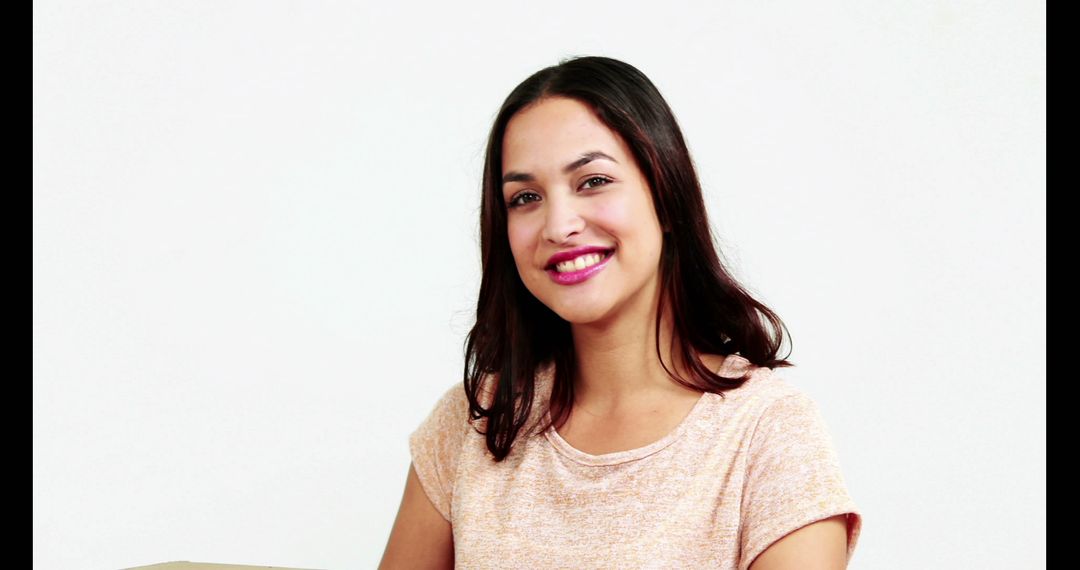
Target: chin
582,313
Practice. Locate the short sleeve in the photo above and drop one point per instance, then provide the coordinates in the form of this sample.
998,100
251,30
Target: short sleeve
793,478
435,447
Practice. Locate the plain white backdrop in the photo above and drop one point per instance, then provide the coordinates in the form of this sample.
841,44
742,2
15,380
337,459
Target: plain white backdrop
256,254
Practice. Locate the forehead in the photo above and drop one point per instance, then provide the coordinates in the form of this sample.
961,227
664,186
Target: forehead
550,132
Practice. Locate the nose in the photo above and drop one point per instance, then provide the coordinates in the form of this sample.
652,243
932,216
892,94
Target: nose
561,221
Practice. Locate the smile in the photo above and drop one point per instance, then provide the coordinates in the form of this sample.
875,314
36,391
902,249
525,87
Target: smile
580,269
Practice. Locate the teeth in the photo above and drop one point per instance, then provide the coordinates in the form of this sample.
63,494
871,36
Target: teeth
579,263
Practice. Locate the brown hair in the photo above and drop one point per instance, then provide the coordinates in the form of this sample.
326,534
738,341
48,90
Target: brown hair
515,334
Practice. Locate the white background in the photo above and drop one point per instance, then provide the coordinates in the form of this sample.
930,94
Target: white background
256,254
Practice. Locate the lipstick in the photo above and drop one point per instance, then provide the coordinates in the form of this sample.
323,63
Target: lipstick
573,277
575,253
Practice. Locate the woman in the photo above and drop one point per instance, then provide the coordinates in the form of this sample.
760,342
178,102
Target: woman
619,407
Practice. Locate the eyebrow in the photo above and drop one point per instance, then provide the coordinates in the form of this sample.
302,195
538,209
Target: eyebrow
581,161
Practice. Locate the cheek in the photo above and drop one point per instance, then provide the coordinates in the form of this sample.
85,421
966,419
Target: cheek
517,236
521,240
614,216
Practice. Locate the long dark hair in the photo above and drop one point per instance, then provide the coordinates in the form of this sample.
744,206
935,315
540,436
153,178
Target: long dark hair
515,335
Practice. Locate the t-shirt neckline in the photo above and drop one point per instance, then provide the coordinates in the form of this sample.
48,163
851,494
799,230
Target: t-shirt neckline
615,457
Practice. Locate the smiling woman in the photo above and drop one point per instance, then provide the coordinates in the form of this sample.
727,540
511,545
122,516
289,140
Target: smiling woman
619,404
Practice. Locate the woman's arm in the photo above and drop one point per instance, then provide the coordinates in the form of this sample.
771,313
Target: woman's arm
821,545
421,538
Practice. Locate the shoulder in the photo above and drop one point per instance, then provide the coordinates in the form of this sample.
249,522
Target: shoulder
445,421
792,477
453,399
763,387
451,407
767,406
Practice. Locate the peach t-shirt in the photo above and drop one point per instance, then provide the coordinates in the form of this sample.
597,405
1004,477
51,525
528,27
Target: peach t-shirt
738,473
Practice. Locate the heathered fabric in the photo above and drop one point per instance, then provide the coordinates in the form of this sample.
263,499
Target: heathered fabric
738,473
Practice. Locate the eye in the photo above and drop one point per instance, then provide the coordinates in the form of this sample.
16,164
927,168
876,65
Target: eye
600,178
515,201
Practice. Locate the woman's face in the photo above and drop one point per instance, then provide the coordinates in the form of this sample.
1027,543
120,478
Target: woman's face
562,194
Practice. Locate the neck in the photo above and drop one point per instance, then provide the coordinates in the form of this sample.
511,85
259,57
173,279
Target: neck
618,370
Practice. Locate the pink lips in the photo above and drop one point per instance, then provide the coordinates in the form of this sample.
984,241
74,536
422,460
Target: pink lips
581,275
574,253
